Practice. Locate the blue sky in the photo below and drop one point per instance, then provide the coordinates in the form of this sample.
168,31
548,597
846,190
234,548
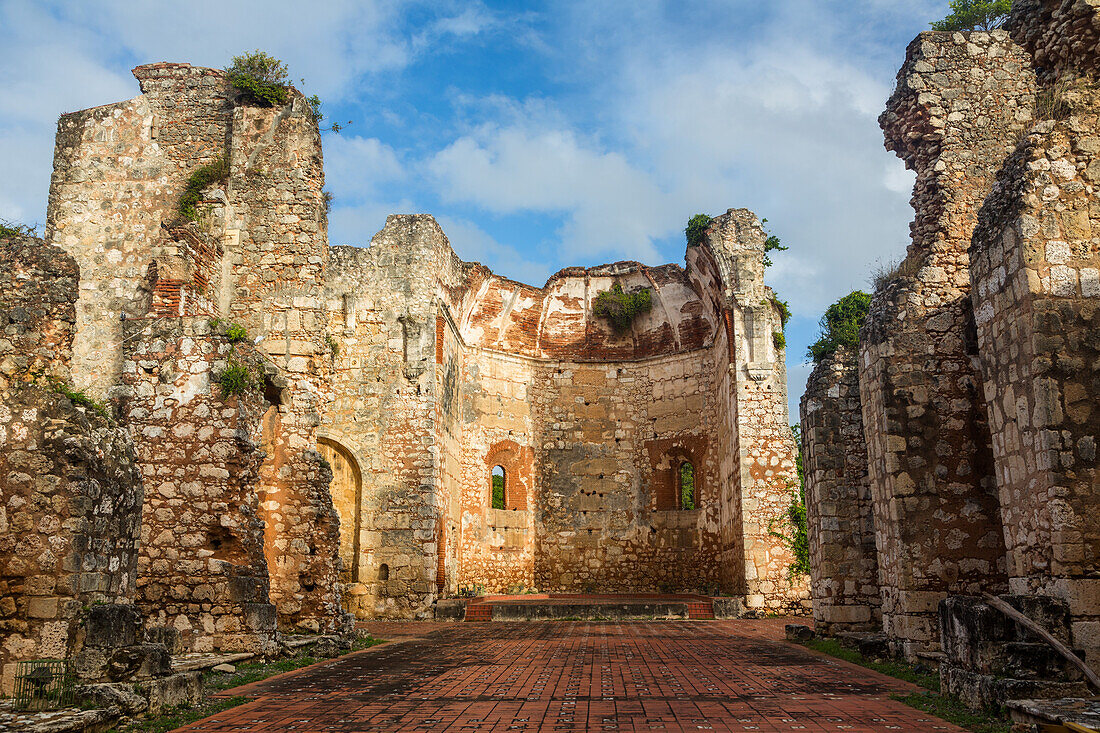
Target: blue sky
541,134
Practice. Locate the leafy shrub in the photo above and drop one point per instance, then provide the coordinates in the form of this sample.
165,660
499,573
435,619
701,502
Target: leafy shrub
784,310
236,333
235,379
327,197
11,229
622,308
687,486
696,230
261,79
780,340
840,324
199,179
975,15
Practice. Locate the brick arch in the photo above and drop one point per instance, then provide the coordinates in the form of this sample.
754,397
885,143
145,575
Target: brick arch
666,457
518,464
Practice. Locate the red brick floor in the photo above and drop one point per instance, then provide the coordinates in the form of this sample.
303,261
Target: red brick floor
578,676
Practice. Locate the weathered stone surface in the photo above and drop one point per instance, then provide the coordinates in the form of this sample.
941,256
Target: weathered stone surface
840,522
1035,263
457,370
70,494
961,103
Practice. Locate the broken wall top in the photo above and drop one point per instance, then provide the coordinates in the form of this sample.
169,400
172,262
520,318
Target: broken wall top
556,321
1060,35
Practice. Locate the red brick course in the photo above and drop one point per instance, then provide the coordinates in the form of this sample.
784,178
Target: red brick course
574,676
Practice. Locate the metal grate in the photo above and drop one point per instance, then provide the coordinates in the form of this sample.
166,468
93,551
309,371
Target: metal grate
42,684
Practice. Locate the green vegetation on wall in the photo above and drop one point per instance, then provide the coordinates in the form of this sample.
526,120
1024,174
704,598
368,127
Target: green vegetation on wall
621,308
791,526
840,324
261,79
696,230
11,229
235,379
975,15
200,178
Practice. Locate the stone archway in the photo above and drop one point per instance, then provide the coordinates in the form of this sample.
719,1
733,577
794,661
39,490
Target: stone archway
347,497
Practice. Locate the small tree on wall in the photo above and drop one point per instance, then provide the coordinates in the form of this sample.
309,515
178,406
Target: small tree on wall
975,15
840,324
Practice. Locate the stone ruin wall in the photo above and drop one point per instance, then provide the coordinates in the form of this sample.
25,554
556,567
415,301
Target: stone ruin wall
840,521
257,258
997,174
385,401
1036,272
201,569
456,371
961,103
70,490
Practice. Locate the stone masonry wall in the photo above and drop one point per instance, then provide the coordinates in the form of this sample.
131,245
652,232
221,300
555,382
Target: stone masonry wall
840,523
202,569
70,492
760,469
255,256
382,312
961,103
118,173
1036,274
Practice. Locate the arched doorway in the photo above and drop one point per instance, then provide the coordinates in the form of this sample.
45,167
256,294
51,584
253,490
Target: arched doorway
347,496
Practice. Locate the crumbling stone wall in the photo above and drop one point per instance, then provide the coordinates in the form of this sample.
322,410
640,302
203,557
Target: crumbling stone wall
758,472
961,103
256,256
456,370
383,307
840,523
202,570
1036,273
119,170
70,492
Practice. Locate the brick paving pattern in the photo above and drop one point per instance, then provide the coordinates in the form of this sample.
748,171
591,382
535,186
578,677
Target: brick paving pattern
578,676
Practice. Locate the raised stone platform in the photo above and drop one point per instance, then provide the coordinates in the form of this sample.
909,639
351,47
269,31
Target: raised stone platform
549,606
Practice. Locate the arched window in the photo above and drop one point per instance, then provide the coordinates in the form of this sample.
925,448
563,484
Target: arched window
687,485
498,487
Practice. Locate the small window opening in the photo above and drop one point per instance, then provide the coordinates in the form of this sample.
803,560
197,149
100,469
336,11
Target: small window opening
383,572
273,394
498,487
687,485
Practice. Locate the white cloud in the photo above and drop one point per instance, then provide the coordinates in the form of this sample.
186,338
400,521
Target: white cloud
611,206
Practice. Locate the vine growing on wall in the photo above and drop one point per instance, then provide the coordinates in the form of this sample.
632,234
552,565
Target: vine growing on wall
201,178
790,527
620,307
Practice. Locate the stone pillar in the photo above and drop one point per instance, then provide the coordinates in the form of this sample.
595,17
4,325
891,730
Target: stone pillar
961,103
1036,291
765,476
201,570
70,493
843,557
